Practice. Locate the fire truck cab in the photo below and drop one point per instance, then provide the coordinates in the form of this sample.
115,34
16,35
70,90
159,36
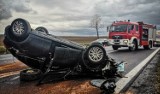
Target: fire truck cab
131,35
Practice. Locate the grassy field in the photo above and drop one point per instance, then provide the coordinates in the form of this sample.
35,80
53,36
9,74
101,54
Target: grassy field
2,48
82,40
1,40
78,39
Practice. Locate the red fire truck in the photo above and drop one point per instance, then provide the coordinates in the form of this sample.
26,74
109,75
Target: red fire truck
131,35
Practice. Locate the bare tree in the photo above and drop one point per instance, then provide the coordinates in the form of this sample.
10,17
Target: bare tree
96,23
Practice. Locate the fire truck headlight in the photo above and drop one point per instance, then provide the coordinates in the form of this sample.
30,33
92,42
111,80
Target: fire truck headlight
125,41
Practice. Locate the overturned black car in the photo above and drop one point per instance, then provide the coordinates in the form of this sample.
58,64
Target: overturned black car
40,50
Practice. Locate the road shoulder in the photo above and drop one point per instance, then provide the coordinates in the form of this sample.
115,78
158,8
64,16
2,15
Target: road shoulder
148,82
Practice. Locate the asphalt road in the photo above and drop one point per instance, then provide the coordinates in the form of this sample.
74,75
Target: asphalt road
6,59
131,58
72,86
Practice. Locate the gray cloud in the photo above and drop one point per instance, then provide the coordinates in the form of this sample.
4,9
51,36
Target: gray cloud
4,12
71,10
73,16
69,5
7,6
137,10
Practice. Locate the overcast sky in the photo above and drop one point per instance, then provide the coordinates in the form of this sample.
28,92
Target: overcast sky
72,17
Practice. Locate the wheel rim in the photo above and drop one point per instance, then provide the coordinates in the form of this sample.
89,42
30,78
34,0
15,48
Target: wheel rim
30,71
134,46
18,28
95,54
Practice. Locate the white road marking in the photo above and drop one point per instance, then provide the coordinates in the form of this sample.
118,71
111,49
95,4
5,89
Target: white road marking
124,82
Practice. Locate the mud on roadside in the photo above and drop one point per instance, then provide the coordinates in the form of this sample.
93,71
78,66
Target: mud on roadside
148,81
13,85
11,67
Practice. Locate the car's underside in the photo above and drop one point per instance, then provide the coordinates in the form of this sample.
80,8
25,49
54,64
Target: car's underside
48,53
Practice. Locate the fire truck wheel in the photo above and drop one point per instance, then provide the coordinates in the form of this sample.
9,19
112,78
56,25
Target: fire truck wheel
30,74
134,47
145,47
148,46
115,47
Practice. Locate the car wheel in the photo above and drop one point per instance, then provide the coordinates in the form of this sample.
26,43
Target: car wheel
20,29
30,74
7,29
115,47
96,55
42,29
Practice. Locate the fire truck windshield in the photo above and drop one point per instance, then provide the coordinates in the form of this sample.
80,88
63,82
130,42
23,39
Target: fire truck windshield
118,28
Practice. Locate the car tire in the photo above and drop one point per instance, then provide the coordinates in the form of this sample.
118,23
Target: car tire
115,47
95,58
7,29
30,74
19,30
42,29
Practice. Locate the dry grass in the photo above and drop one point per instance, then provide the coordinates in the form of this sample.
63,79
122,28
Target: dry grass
78,39
1,40
81,39
2,50
12,66
85,41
